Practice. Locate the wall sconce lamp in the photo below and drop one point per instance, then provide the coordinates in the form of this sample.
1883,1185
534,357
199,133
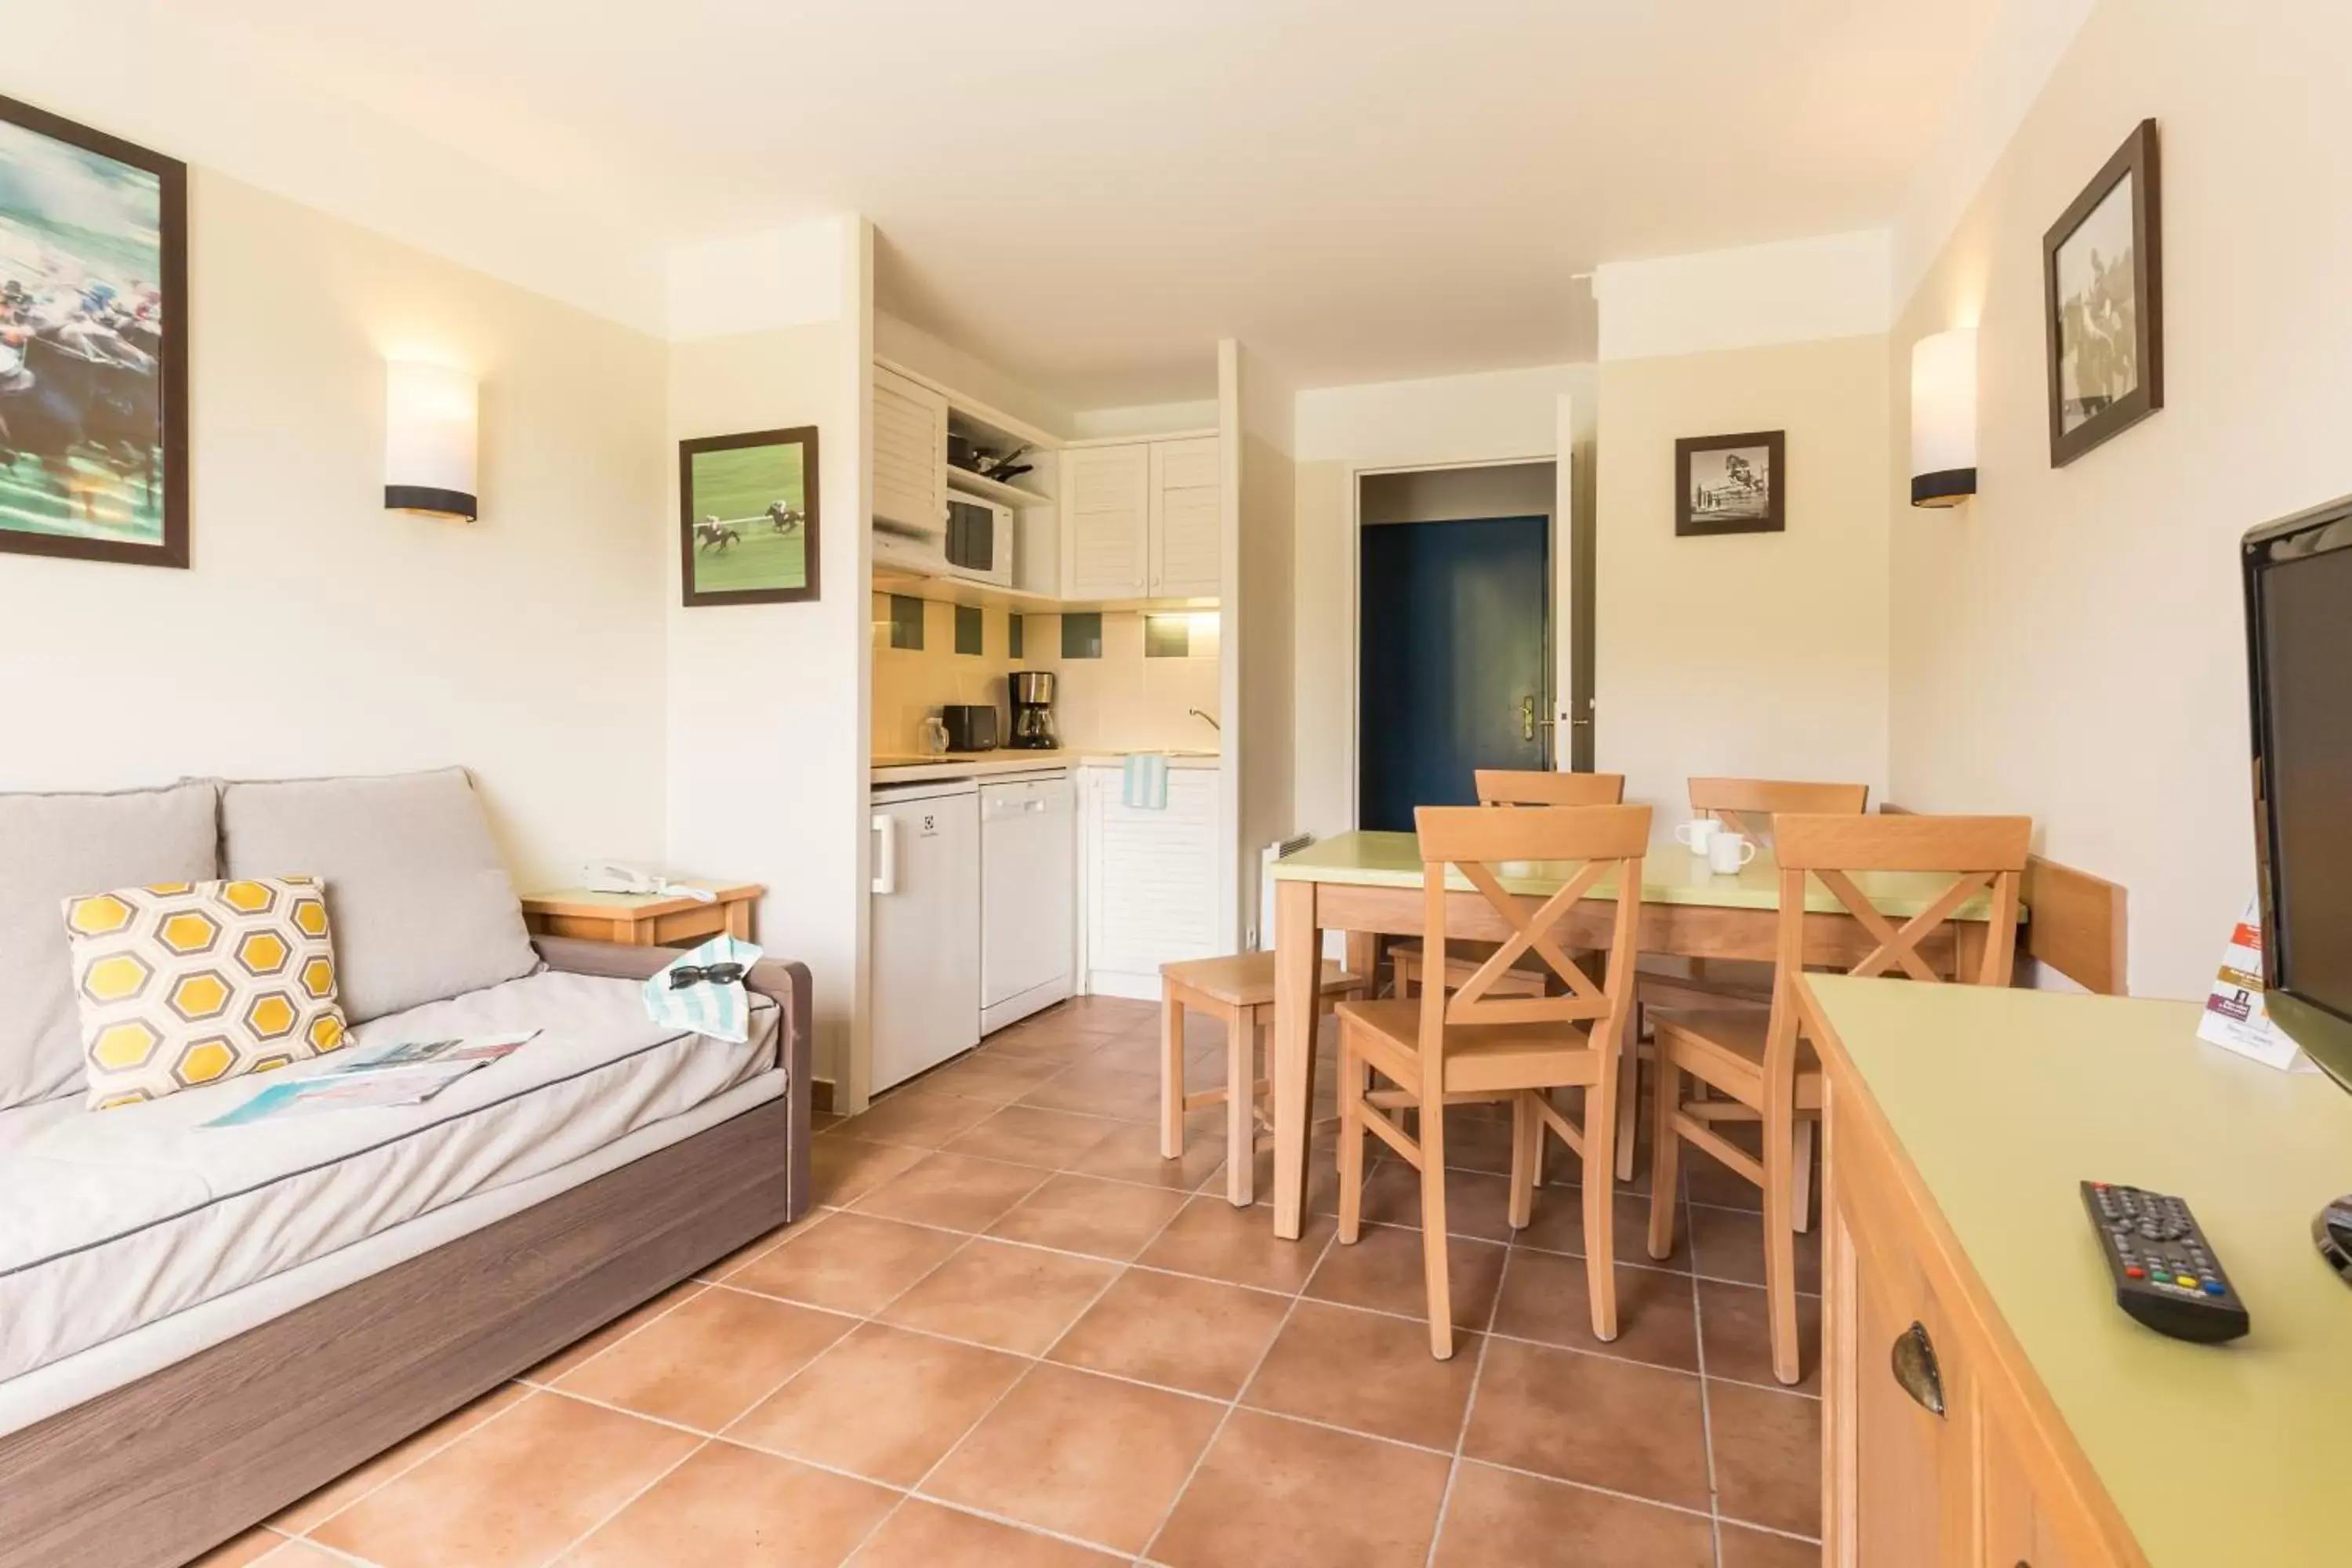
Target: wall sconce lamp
429,429
1944,418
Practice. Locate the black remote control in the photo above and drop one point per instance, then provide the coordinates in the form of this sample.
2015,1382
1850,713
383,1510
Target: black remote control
2165,1274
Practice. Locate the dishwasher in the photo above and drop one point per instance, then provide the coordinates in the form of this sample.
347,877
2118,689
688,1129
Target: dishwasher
1028,884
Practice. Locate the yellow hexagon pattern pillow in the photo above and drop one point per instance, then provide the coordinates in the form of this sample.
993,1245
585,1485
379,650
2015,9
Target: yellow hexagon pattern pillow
190,983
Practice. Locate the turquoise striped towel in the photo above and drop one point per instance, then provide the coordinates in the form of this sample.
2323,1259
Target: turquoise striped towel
722,1012
1147,781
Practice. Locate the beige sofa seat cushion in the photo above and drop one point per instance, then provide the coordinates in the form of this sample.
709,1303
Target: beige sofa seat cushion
422,906
58,847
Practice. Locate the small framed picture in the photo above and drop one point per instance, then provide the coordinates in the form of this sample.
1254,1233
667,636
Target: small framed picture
93,345
748,517
2103,281
1730,484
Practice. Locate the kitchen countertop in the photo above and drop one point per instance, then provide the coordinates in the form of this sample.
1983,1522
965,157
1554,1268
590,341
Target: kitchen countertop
895,769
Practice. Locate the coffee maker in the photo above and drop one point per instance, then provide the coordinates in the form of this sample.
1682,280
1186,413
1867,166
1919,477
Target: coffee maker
1032,710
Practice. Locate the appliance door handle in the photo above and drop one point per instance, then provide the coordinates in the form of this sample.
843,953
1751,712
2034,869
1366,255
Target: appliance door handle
885,861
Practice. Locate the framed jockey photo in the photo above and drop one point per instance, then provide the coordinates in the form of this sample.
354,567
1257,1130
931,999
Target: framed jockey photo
93,345
747,517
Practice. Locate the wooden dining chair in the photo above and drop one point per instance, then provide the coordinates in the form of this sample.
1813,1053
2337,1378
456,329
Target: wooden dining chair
1756,1059
1508,786
1238,991
1475,1044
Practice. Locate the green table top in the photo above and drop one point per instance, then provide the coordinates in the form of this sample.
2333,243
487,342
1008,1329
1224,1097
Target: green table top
2004,1101
1670,875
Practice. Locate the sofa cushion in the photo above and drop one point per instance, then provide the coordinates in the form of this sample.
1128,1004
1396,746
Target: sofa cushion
54,847
422,906
183,984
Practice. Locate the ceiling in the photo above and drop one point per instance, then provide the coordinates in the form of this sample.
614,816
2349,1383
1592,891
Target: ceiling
1088,193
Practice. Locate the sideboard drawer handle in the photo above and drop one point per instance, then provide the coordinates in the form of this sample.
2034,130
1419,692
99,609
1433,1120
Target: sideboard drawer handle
1916,1369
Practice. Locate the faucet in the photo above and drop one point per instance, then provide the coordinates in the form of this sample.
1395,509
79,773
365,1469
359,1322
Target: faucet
1213,725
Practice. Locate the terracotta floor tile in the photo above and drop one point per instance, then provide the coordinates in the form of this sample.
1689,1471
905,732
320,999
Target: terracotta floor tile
955,1192
708,1361
1496,1517
1728,1246
300,1554
999,1079
1277,1492
1131,1153
1369,1373
1081,1455
1744,1548
1138,1054
728,1505
1097,1088
1476,1141
1768,1456
882,1403
1384,1270
1106,1014
1559,1226
242,1551
926,1535
1014,1297
1476,1203
1738,1330
1211,1237
1033,1041
851,1263
1607,1423
1082,1214
357,1482
916,1117
843,1168
1023,1133
512,1491
713,1271
1706,1180
1545,1298
1193,1334
614,1333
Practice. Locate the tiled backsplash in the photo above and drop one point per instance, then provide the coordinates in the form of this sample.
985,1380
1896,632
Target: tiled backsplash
1118,701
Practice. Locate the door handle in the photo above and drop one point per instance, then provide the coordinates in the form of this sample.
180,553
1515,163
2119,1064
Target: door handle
1915,1371
1526,718
886,863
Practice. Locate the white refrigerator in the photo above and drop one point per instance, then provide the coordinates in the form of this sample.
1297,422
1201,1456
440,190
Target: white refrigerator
926,931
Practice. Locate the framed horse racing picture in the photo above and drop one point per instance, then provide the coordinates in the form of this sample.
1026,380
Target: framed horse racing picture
93,345
748,517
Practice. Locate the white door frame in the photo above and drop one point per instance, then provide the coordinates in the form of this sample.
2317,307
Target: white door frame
1559,630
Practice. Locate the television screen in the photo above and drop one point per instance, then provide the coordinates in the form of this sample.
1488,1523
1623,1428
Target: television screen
2300,597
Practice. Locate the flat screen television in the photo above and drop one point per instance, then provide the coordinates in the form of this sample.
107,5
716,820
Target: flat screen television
2298,582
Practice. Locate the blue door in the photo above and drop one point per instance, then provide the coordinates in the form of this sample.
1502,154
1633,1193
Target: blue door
1453,661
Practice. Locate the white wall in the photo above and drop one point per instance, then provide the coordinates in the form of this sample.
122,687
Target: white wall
2070,643
1798,290
906,344
768,704
1341,431
316,633
1260,610
1758,654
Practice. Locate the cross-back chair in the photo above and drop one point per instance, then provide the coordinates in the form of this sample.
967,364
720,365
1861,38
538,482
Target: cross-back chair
1479,1043
1756,1057
1513,787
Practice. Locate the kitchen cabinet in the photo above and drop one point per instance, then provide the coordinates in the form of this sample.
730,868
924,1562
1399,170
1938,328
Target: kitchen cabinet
910,452
1151,879
1143,520
1187,508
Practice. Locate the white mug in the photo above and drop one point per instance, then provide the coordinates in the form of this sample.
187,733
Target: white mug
1696,832
1727,852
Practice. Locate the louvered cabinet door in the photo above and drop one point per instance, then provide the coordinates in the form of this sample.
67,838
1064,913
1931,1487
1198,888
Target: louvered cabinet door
1105,521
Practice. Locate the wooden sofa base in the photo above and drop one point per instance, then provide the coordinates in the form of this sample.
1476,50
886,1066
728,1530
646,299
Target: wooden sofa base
160,1470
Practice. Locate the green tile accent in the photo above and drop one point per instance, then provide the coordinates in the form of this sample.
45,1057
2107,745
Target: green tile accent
967,628
1167,637
1082,635
907,622
1013,635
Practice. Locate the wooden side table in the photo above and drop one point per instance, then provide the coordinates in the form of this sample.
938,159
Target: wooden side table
644,919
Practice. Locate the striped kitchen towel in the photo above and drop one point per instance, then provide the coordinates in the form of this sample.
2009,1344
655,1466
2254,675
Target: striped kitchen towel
1147,781
707,1007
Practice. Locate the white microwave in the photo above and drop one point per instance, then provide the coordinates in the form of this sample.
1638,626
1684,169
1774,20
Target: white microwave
979,544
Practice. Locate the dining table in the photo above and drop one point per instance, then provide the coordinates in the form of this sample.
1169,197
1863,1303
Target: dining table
1368,885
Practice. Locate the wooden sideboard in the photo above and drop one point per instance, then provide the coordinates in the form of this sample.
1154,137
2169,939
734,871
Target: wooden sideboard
1986,1404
